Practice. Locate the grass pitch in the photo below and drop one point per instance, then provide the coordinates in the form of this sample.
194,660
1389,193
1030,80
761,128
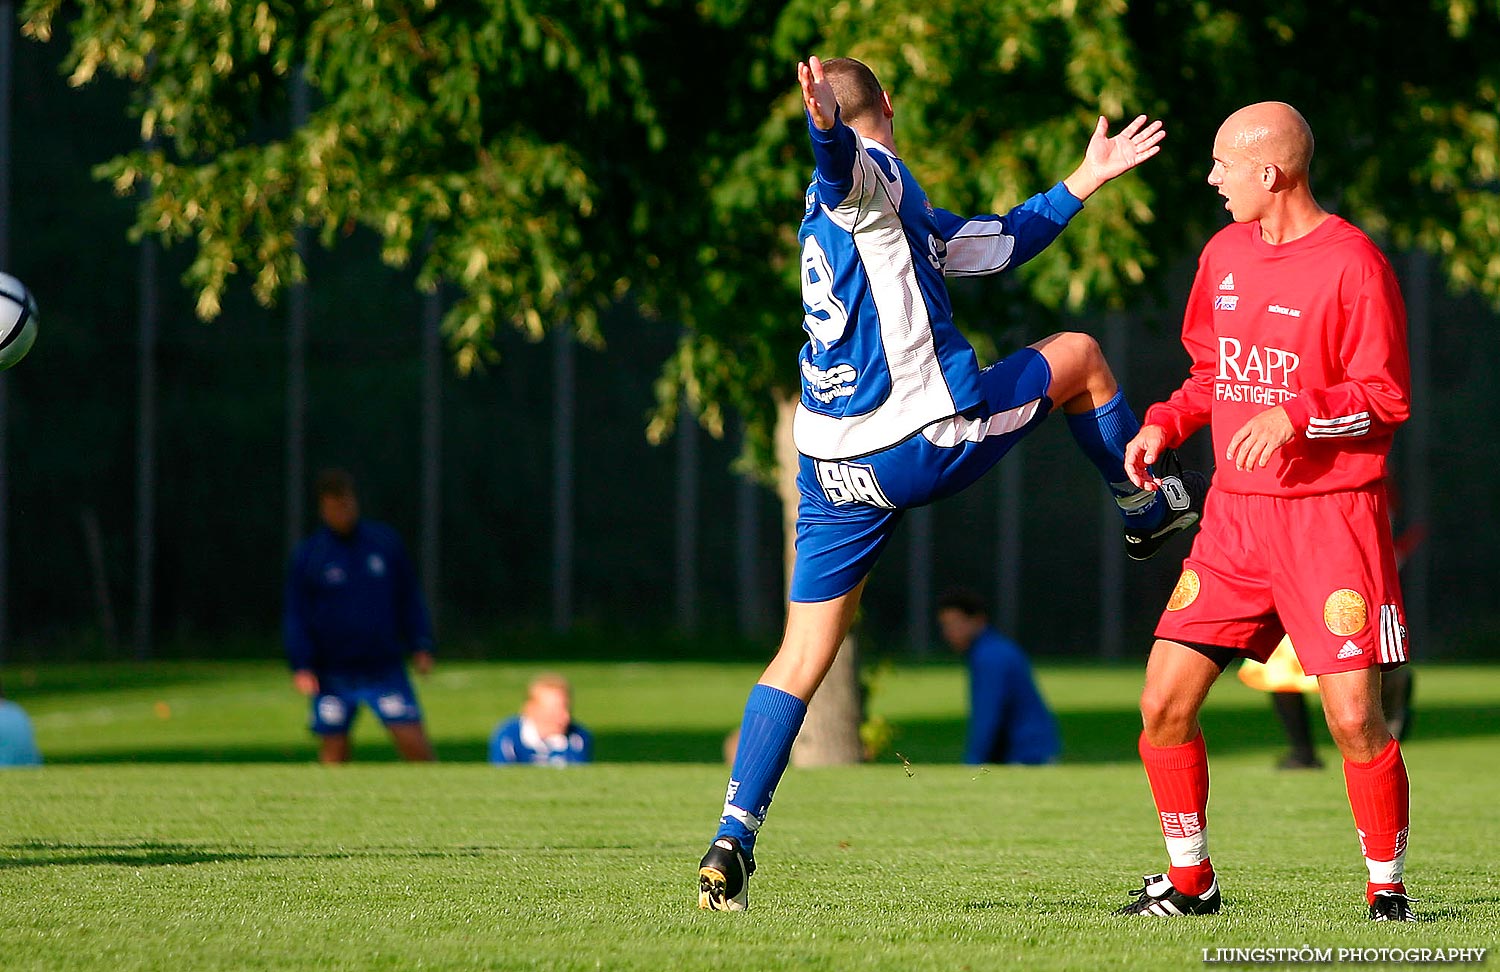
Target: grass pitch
179,826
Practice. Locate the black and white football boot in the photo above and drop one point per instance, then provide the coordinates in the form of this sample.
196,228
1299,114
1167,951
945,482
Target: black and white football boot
1158,897
1391,906
724,876
1184,493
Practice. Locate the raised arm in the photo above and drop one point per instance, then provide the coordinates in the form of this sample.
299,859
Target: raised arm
978,245
1106,157
835,146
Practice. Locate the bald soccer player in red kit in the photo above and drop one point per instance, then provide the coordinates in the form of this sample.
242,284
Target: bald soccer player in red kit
1297,335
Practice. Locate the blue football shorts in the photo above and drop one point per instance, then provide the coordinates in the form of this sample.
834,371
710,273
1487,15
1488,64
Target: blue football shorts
849,509
387,692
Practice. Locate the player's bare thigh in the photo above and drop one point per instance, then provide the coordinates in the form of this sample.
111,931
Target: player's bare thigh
813,634
1081,378
1177,681
1356,720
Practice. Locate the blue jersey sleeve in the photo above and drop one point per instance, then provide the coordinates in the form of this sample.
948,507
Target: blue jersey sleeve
295,635
979,245
835,161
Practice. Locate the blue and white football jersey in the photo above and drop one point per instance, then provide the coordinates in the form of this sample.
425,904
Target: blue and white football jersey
883,358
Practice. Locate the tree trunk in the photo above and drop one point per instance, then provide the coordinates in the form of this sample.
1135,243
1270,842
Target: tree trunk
830,734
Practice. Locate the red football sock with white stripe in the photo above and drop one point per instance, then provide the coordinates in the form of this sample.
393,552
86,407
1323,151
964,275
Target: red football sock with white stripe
1380,796
1179,783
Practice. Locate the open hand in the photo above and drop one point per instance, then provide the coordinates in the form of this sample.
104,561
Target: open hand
817,94
1106,157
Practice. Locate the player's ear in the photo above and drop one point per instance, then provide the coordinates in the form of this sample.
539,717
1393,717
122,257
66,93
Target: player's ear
1279,179
885,104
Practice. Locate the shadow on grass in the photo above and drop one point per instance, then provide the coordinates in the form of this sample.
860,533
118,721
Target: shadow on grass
1100,736
166,854
612,746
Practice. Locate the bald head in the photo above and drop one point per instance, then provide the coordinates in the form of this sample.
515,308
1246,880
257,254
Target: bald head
1261,157
1270,133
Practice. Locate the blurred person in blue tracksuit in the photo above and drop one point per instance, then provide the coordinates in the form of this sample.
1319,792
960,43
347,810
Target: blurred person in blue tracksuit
353,614
1009,721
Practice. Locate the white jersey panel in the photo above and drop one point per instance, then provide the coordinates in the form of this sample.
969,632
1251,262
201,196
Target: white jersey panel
919,393
980,247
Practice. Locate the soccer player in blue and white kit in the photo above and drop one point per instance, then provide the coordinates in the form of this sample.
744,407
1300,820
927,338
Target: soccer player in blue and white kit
353,613
895,410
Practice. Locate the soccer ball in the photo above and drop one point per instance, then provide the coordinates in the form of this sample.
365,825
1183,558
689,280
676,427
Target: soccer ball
17,320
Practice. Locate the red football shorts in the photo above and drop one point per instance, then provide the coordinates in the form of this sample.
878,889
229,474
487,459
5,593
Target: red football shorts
1321,569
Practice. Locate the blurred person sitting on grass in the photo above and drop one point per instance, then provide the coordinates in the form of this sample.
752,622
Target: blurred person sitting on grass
354,612
1009,721
544,733
17,741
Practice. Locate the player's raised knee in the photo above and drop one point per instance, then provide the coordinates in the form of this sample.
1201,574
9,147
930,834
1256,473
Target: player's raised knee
1074,350
1077,364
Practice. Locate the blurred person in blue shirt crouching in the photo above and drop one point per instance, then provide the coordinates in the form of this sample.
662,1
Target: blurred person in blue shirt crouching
354,613
17,741
1009,721
544,734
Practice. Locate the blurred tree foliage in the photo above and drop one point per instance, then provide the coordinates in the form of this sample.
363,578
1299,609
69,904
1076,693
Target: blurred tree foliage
994,100
573,156
525,135
570,155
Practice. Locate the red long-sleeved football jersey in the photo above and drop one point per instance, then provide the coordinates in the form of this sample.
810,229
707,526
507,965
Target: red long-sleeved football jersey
1316,325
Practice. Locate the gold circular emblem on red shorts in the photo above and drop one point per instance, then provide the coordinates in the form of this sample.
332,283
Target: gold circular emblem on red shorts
1186,591
1345,612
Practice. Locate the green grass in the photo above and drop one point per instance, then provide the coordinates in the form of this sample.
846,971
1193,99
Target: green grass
204,840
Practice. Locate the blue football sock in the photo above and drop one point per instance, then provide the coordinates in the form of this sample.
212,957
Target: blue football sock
772,719
1102,434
